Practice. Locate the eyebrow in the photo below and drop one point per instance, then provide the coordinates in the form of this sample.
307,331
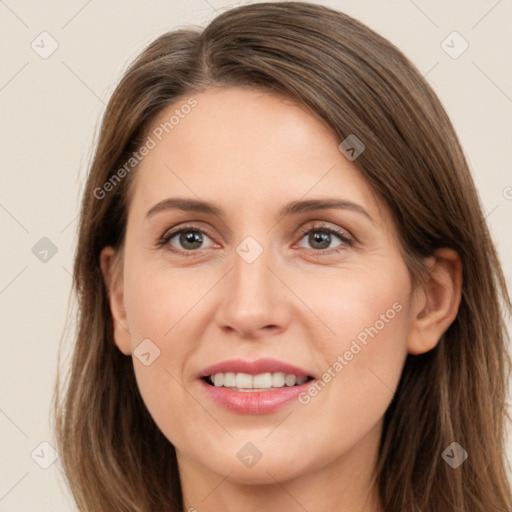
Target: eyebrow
292,208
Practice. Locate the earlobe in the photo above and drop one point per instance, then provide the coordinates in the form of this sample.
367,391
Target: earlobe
436,303
112,276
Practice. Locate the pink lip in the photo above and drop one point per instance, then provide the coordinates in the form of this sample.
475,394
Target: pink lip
253,402
254,367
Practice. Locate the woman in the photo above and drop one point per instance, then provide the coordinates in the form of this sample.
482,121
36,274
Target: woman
288,295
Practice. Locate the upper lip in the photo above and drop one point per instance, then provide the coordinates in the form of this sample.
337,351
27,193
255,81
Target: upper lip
254,367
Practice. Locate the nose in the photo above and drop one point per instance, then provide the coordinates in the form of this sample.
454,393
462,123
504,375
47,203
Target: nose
255,302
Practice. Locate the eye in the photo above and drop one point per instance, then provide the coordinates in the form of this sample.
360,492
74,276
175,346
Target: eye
320,238
191,239
188,239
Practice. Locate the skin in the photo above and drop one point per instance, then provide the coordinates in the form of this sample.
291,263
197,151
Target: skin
250,153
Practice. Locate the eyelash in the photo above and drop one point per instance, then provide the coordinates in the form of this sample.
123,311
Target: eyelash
322,228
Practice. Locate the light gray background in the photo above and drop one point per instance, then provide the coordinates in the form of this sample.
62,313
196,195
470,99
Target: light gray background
50,113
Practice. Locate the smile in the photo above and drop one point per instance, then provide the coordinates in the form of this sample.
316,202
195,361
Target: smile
246,382
254,387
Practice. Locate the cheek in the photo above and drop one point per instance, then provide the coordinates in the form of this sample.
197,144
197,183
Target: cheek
158,298
365,356
164,331
370,314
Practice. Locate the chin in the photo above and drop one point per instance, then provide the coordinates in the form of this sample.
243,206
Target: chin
257,462
262,472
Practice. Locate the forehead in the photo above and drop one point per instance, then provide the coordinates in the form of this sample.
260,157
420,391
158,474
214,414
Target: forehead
242,122
244,147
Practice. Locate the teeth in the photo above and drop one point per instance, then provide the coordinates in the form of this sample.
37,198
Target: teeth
290,380
229,379
263,380
243,380
278,379
247,382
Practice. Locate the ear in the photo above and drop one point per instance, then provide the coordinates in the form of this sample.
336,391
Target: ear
436,303
110,262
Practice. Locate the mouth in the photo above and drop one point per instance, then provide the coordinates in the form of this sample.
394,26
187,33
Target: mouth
254,387
247,383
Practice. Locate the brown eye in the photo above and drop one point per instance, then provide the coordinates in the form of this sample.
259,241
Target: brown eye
185,239
190,240
319,240
322,238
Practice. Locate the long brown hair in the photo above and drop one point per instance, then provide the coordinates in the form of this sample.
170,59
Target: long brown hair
356,82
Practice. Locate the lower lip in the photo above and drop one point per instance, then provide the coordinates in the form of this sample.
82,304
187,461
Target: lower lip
254,402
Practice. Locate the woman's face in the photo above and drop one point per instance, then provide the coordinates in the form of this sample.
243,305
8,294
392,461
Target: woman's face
234,268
